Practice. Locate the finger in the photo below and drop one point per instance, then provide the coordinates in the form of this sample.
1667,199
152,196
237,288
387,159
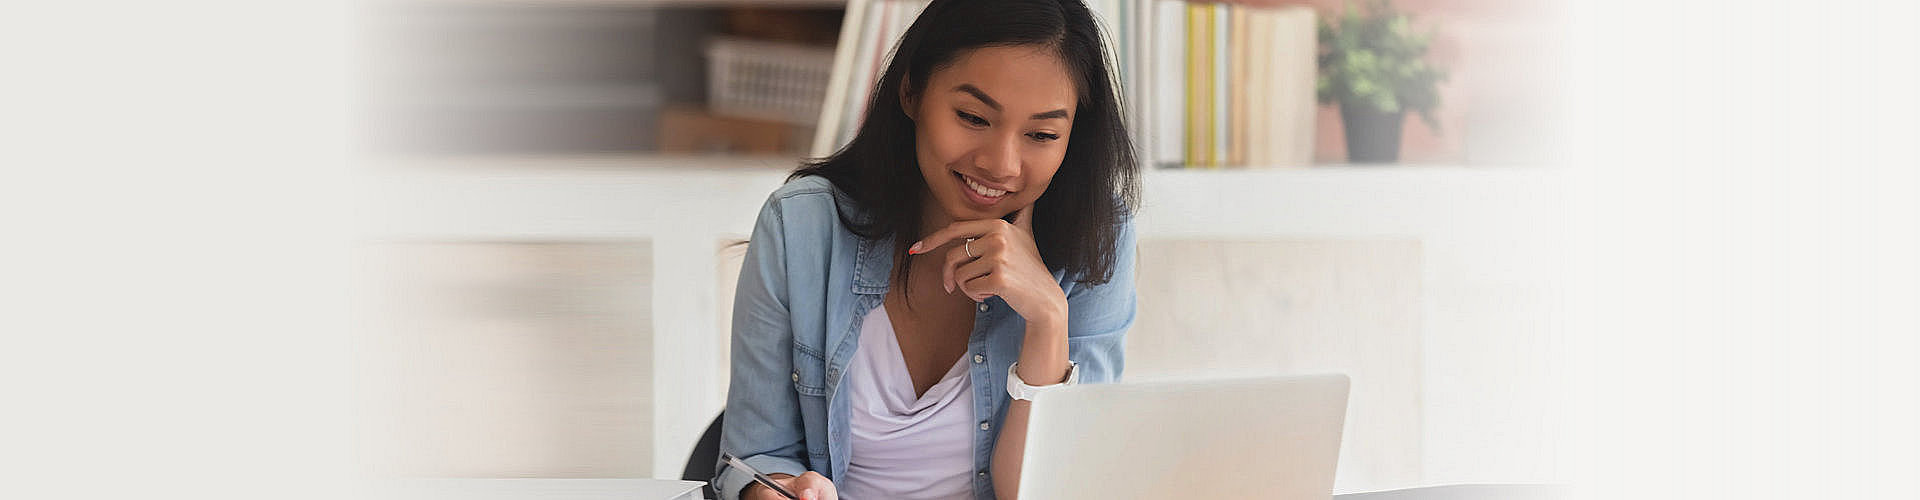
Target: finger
794,485
968,271
982,287
958,256
818,486
954,231
955,257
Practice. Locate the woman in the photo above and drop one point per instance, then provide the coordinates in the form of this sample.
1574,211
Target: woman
883,308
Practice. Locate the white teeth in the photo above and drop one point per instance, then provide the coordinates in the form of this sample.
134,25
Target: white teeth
983,190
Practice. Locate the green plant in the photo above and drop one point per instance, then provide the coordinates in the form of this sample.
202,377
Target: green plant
1374,59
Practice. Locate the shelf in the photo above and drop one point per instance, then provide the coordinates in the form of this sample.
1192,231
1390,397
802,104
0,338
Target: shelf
567,197
644,96
589,197
637,165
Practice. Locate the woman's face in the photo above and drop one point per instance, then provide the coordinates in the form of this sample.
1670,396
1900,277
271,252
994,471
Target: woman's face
992,129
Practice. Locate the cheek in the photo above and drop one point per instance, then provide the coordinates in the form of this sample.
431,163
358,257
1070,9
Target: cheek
941,144
1041,167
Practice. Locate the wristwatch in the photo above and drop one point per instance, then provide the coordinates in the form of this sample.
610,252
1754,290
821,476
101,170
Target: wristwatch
1021,391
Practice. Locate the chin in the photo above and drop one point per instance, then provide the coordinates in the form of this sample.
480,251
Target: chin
961,212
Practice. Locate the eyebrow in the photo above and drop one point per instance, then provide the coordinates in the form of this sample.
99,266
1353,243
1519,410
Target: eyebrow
983,97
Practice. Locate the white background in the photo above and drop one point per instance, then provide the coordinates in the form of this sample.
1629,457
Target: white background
1747,307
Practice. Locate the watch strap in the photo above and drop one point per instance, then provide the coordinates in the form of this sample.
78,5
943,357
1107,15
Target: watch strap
1019,389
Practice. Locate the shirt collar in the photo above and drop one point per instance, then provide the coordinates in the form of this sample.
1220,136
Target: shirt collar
873,266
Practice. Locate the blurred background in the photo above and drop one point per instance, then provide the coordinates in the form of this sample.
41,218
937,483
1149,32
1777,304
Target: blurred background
1654,249
548,271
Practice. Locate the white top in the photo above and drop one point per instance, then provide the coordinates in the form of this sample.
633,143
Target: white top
905,447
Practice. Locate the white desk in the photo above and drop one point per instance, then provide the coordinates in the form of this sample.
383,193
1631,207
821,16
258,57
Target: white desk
661,489
1467,492
532,489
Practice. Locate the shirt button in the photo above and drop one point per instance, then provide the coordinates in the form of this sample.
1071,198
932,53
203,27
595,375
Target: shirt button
983,307
981,474
986,425
977,359
796,376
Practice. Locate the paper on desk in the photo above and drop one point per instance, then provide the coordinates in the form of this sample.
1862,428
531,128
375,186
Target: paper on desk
535,489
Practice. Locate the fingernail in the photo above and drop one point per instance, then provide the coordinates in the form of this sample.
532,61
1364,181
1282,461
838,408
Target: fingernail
949,288
914,249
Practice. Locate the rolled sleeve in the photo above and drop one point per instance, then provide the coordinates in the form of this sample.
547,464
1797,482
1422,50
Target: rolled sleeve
763,424
1099,316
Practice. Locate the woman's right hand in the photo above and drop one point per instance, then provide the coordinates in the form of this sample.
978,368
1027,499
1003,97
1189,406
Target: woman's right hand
810,486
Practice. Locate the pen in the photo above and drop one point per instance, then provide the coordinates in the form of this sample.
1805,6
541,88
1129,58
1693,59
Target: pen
759,477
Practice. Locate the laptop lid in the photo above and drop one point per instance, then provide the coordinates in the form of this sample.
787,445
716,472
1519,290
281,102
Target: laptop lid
1273,438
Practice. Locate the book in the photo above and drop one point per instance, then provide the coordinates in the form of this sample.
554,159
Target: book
1198,68
1218,131
1259,60
1293,104
828,132
1201,84
1168,98
1237,109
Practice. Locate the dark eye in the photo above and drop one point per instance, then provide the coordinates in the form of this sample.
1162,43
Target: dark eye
970,119
1044,136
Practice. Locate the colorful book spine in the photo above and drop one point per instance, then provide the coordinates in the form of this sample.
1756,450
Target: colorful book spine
1222,77
1199,62
1238,111
1203,84
1168,99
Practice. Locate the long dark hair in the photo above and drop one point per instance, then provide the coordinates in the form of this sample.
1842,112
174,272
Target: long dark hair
1077,220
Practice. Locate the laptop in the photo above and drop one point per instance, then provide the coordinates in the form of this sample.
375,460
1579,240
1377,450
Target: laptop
1275,438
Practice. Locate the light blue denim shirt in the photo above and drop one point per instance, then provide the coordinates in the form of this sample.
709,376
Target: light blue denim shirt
805,287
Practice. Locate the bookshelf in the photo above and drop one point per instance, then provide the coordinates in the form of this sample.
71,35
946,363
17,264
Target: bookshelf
607,196
461,78
1193,94
1235,80
682,206
592,75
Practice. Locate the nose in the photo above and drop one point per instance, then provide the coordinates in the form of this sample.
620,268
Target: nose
999,158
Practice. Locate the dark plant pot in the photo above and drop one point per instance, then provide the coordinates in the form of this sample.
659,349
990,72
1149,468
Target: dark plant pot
1372,136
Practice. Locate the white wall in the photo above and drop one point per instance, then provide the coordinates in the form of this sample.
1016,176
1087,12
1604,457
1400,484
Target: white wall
1450,276
1492,285
1220,309
505,359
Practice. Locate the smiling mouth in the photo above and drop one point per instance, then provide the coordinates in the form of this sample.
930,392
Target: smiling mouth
980,189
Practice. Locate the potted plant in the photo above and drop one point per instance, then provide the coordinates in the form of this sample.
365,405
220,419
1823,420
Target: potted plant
1374,66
